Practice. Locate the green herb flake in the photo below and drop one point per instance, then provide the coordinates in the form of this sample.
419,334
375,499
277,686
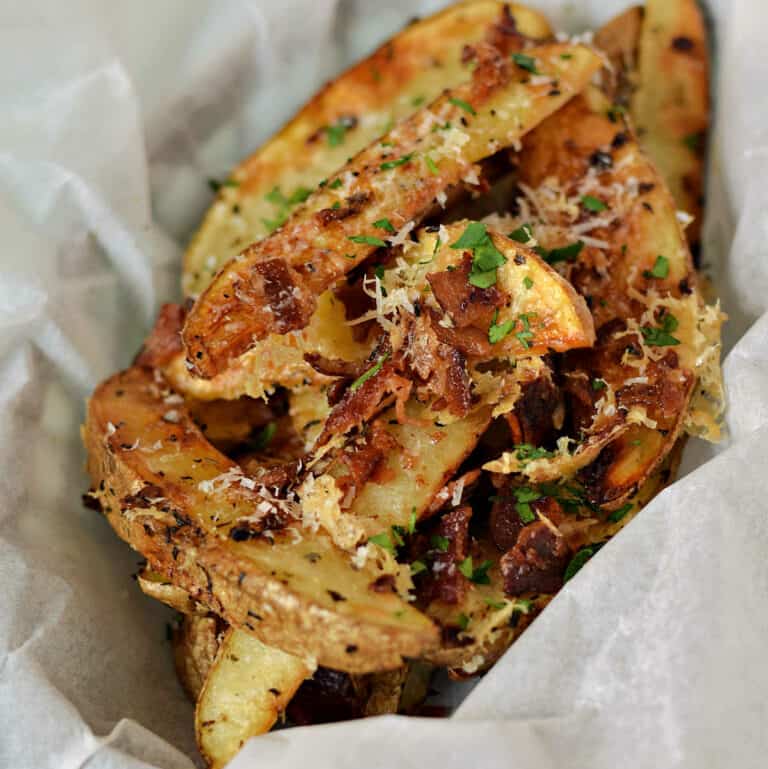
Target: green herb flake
465,567
417,567
265,436
378,271
497,332
412,521
440,543
384,224
525,335
524,496
661,336
693,142
397,535
216,185
523,234
591,203
563,254
336,133
480,573
527,452
599,384
335,184
372,371
461,104
463,621
660,268
368,240
578,561
566,56
617,515
401,161
417,101
486,258
527,282
495,604
527,63
523,605
431,165
336,206
383,540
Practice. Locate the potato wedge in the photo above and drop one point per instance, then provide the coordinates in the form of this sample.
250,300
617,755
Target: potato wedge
177,500
411,69
273,285
619,40
586,179
670,106
248,686
156,586
195,644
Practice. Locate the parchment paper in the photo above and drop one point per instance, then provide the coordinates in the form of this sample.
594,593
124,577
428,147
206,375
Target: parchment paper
113,117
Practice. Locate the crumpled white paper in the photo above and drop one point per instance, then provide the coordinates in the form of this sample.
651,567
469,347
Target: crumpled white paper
113,117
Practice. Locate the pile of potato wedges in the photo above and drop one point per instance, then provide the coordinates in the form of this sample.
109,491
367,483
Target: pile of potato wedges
443,337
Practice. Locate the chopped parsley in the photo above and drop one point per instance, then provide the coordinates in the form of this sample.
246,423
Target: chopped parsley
336,133
693,142
401,161
486,258
660,268
479,574
591,203
431,165
661,336
336,206
599,384
579,560
527,282
412,521
617,515
497,332
466,106
383,540
523,605
417,101
372,371
463,621
384,224
527,452
524,496
283,204
563,254
527,63
378,271
368,240
417,567
522,234
265,436
335,184
495,604
440,543
525,335
616,112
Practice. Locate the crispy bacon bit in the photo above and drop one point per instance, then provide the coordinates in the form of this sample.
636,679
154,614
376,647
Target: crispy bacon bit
537,561
363,460
328,696
359,405
454,382
278,288
468,305
336,366
537,413
354,205
164,341
446,582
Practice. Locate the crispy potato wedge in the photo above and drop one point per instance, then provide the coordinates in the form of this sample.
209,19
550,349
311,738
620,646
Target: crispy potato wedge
670,106
558,316
273,285
176,500
411,69
248,686
195,644
619,40
636,269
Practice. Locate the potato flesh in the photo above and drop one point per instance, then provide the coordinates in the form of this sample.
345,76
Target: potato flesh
242,305
247,688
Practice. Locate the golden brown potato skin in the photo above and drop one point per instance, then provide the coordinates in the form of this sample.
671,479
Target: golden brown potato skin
195,643
409,70
312,606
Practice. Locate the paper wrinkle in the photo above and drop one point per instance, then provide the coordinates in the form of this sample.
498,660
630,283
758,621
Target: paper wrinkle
652,656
